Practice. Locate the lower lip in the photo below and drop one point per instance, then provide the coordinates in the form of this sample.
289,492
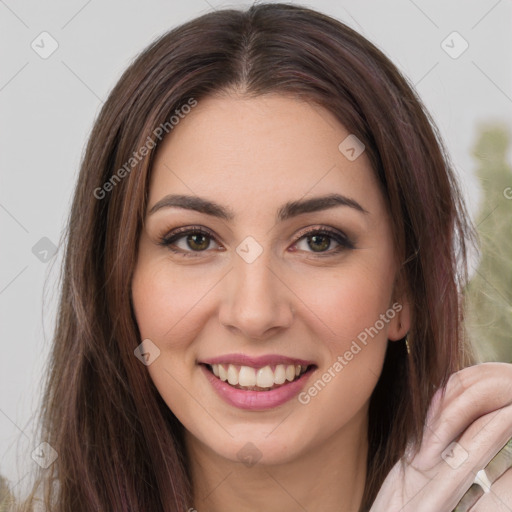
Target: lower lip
256,400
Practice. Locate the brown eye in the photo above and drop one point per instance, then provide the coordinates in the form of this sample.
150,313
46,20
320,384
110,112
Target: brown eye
186,242
198,241
320,241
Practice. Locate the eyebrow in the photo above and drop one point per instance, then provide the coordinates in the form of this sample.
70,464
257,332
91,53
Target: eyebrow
287,211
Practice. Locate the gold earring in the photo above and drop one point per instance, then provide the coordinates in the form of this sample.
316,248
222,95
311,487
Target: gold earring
407,343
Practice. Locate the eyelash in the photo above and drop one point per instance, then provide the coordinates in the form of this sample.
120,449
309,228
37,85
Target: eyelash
168,240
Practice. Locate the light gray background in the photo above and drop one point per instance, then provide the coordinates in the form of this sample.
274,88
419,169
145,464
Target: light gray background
48,107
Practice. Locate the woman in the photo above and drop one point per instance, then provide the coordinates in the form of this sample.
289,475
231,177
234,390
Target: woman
261,304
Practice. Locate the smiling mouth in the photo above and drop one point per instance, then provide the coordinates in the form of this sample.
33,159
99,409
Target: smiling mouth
265,378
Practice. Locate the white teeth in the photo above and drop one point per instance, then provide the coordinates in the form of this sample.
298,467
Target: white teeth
232,375
247,376
280,374
223,374
290,372
265,377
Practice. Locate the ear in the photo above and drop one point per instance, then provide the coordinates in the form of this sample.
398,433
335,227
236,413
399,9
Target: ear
400,324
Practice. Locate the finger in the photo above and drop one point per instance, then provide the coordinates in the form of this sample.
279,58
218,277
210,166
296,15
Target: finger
477,446
466,399
471,393
482,378
498,466
448,481
469,399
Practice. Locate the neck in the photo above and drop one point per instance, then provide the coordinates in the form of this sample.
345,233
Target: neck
328,477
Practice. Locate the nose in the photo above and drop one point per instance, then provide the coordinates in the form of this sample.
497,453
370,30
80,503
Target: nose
257,303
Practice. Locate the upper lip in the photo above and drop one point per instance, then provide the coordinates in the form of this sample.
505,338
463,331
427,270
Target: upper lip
256,361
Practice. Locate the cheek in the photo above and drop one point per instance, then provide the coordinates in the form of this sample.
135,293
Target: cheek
354,306
359,334
349,301
164,310
164,303
356,342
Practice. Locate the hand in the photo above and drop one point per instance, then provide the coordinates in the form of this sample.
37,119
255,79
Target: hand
465,428
496,497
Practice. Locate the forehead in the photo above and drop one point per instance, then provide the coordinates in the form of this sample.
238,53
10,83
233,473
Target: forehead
252,150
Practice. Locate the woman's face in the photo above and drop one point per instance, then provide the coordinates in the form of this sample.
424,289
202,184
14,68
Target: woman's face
276,282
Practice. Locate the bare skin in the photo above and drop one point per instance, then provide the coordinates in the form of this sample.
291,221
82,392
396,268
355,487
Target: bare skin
476,413
252,156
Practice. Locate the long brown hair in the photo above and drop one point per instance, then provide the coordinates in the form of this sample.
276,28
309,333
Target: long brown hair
119,446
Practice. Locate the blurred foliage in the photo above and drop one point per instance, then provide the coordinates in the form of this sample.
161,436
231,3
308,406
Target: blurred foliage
6,498
489,293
